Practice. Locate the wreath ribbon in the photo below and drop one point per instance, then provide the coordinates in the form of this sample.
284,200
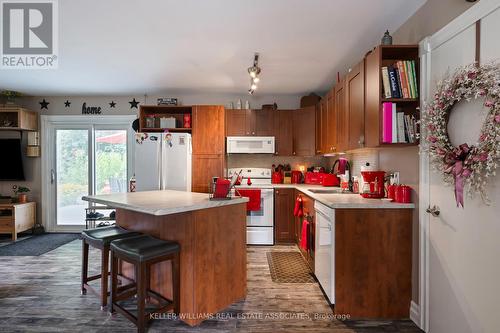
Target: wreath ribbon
454,161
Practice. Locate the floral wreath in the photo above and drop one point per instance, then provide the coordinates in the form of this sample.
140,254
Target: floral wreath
465,165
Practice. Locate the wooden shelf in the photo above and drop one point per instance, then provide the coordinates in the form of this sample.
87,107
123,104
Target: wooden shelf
21,119
400,100
173,130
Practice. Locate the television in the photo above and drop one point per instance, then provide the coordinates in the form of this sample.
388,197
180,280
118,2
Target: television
11,166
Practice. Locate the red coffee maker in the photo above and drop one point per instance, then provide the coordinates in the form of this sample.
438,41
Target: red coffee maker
373,184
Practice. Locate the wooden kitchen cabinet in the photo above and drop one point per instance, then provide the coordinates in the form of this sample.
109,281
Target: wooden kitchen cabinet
208,158
208,129
319,130
304,131
355,106
331,123
236,122
342,117
284,223
309,212
283,124
250,122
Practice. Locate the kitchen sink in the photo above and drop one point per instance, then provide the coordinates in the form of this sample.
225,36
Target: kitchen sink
326,191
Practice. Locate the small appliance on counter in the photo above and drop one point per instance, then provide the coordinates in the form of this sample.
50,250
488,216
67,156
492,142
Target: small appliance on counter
297,177
341,169
373,184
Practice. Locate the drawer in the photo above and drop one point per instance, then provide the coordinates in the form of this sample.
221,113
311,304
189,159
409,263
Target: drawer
6,221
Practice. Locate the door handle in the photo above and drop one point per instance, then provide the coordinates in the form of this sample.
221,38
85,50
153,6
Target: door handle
434,210
52,176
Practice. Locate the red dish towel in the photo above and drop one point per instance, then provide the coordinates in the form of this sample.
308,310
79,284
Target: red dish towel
254,196
304,240
297,210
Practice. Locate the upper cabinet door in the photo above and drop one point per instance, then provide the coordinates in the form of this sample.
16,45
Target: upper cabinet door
342,117
237,123
263,121
319,130
283,125
208,129
355,106
330,124
304,131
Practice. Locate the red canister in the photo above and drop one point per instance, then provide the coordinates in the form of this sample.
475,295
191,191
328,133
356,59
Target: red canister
391,192
403,194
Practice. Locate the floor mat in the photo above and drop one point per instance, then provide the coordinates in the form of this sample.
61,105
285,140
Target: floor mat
289,267
38,244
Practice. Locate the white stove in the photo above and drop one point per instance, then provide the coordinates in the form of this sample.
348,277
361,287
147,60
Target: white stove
260,224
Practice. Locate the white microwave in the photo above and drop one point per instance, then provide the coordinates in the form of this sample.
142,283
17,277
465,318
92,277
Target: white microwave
250,144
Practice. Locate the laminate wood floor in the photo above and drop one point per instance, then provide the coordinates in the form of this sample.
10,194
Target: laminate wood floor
42,294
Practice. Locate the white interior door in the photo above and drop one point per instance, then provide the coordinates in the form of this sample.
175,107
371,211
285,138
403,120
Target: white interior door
82,156
463,245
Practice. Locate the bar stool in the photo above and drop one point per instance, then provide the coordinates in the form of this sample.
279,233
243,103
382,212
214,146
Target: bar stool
100,238
142,252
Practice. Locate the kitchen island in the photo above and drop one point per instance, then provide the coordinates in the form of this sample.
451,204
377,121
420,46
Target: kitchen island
212,237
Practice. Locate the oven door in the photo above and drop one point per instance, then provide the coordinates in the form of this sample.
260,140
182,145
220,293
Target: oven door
265,216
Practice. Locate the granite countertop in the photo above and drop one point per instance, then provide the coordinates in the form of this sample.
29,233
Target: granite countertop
161,202
338,200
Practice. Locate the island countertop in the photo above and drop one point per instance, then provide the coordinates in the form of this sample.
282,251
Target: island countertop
164,202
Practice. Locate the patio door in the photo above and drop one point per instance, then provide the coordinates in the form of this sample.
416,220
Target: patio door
83,157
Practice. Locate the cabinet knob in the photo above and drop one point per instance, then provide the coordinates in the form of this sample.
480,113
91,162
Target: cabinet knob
277,192
248,133
294,153
253,133
334,148
361,140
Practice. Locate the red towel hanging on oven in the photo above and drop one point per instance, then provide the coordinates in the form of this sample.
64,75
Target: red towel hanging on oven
298,209
304,240
254,196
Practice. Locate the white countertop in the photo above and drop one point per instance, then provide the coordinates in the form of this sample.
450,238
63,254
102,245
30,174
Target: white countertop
337,200
161,202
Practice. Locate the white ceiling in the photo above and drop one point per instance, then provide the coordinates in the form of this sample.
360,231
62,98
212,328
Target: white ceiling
125,47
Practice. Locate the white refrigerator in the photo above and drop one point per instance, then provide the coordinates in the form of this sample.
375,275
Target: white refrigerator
163,161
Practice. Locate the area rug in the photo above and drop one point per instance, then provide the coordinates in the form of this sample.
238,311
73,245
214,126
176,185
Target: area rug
38,244
289,267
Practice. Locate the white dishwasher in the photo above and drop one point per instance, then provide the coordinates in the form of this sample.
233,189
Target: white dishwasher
324,258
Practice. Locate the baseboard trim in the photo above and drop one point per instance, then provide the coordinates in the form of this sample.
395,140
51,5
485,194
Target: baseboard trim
415,313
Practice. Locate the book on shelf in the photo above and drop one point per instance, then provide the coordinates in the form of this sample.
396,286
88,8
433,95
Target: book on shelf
397,127
385,81
400,80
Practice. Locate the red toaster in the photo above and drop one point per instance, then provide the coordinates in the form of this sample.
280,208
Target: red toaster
330,179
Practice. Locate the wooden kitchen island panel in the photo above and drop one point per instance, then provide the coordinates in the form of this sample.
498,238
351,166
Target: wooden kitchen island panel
212,259
373,262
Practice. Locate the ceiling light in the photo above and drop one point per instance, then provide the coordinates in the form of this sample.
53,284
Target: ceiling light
254,71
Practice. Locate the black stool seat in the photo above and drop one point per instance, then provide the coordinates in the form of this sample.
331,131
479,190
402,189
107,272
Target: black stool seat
104,236
144,248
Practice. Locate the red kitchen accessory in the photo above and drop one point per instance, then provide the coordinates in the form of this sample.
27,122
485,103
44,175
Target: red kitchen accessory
373,184
254,198
391,192
403,194
249,181
276,177
304,240
187,120
296,177
222,187
314,178
330,180
298,209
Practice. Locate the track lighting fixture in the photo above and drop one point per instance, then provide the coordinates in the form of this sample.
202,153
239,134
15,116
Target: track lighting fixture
254,72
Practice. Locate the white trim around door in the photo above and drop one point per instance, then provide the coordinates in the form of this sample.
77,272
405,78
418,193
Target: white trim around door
49,124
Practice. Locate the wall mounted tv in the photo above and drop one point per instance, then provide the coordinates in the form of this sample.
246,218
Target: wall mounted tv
11,166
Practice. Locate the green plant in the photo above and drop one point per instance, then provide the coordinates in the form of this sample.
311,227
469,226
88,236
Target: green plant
10,94
20,189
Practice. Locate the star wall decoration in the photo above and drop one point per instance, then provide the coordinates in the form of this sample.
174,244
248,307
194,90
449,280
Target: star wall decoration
134,103
67,104
44,104
112,104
